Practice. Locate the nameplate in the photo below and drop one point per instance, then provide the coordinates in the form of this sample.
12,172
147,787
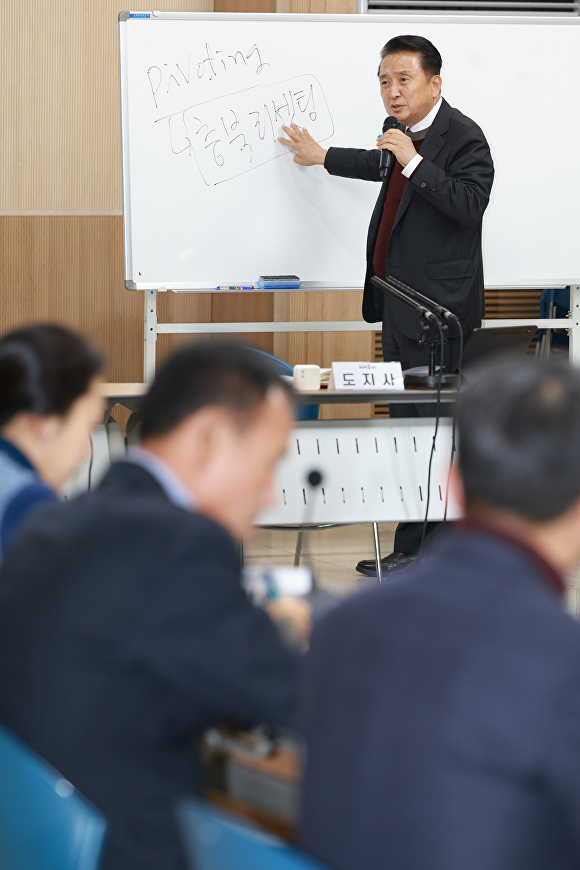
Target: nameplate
366,376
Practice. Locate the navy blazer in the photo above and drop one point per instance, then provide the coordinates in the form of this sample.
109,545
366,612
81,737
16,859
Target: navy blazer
442,715
435,245
21,491
124,632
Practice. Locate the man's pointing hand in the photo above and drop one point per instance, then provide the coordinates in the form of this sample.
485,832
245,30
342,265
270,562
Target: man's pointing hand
308,152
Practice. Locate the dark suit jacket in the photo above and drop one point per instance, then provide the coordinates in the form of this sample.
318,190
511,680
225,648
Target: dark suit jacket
124,632
435,245
442,716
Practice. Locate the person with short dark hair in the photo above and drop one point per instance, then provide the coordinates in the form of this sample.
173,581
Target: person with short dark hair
442,710
426,226
124,628
50,401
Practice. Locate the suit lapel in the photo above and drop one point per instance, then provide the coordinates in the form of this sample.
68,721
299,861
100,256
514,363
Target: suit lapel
432,145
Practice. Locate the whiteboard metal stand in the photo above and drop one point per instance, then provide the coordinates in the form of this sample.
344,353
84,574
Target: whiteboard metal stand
153,329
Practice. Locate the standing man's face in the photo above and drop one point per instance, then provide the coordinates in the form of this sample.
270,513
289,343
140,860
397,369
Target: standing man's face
408,93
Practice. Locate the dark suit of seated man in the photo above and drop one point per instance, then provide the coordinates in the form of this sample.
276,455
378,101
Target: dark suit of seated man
124,630
442,711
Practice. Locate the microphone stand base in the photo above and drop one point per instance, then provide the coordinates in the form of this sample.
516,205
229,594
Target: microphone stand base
425,381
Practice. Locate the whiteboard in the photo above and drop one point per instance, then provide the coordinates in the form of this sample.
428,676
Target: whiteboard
211,198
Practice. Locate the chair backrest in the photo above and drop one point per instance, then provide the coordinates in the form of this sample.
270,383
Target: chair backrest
107,445
303,412
44,822
281,366
215,840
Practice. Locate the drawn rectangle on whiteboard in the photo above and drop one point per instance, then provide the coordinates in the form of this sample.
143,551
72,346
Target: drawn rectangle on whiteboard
237,133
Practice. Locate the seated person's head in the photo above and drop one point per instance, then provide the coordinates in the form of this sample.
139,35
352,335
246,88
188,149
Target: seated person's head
219,415
50,398
519,454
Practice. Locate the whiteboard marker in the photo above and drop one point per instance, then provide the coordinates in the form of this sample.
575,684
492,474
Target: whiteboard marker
236,287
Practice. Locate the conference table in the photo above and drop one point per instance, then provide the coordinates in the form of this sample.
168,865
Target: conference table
130,396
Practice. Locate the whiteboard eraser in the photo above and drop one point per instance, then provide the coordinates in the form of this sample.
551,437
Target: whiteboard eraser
306,378
279,282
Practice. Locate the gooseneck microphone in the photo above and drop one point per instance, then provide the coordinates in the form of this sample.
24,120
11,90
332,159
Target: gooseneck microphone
386,155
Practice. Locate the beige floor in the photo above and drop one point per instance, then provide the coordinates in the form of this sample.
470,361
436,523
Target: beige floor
333,554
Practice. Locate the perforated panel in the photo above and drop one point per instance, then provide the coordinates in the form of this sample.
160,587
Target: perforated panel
372,471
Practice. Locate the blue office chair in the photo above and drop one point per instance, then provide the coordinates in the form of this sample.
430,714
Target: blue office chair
553,303
217,841
44,822
303,412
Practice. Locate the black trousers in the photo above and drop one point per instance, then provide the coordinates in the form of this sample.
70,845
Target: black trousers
399,348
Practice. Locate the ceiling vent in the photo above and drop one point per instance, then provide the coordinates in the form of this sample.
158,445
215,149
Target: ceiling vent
473,7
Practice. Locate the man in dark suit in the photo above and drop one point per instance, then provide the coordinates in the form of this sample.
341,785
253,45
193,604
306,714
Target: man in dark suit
442,711
124,630
426,227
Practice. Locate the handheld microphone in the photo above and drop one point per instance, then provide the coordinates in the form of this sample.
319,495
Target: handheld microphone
386,155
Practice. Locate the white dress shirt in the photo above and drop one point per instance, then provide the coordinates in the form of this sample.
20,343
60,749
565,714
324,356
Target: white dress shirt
411,166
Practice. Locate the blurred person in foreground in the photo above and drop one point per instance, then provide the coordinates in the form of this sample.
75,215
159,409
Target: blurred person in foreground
50,400
124,629
442,711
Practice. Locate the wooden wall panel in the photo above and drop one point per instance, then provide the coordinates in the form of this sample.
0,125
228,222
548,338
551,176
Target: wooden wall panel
210,308
245,6
60,130
236,307
323,348
70,270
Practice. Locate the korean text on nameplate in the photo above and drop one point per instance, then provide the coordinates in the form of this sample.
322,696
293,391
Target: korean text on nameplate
366,376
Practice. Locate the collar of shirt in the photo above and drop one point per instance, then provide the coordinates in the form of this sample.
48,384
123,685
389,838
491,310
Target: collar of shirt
15,454
553,578
428,119
172,486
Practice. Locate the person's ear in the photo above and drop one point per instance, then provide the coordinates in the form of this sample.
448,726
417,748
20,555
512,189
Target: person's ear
211,429
574,516
456,490
222,430
436,83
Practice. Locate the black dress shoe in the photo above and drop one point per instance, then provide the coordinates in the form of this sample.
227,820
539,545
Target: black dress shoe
390,563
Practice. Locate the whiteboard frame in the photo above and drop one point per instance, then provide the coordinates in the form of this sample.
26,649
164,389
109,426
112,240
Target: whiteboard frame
358,18
355,18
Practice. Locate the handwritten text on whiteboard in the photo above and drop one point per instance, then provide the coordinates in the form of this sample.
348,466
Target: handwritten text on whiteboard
235,134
